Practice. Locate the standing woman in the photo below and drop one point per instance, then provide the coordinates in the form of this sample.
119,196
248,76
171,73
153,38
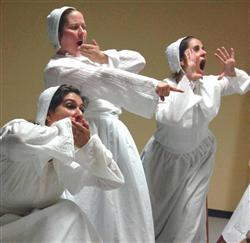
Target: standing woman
178,159
39,162
123,215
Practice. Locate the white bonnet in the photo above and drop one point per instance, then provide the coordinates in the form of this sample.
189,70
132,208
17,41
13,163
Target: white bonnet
44,103
53,20
173,55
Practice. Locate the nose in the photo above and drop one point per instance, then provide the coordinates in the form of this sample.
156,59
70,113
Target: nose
78,112
204,52
82,30
78,115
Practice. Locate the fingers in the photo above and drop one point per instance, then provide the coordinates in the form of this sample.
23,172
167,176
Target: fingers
94,42
79,125
223,55
81,134
176,90
232,53
164,89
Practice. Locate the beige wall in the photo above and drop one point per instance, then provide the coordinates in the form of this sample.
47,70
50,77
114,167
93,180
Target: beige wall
145,26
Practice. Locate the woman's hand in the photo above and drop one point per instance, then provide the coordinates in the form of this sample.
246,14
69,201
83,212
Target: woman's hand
227,58
191,67
163,89
93,52
81,132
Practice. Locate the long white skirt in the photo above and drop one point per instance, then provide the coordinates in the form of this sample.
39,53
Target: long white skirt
124,214
178,185
60,222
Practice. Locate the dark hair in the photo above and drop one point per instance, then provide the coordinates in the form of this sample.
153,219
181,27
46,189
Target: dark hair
61,92
63,20
184,45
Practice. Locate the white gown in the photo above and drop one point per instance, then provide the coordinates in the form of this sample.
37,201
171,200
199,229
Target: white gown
178,159
239,223
37,164
122,215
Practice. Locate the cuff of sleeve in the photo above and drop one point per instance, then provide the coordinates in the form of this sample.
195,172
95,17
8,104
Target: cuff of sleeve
241,82
84,155
113,57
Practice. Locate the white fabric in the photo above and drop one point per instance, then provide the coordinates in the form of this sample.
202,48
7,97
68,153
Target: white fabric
239,223
43,104
53,20
37,164
178,159
134,92
60,222
173,55
122,215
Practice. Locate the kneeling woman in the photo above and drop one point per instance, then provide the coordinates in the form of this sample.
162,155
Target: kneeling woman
38,162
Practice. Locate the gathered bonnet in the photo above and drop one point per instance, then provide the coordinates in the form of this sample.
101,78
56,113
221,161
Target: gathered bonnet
44,103
53,20
173,55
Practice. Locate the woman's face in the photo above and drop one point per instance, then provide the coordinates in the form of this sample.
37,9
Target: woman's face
74,33
199,53
71,106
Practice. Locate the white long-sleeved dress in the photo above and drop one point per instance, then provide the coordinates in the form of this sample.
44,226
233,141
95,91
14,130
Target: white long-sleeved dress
122,215
178,159
37,164
239,224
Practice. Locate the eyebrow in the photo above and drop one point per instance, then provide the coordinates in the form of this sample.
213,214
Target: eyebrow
72,100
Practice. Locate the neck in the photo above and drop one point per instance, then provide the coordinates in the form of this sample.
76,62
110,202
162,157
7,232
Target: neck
65,52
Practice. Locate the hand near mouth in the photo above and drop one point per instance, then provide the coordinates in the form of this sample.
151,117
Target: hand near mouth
93,52
192,65
227,58
81,133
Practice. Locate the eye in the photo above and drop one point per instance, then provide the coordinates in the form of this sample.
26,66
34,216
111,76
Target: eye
74,27
70,105
82,108
196,48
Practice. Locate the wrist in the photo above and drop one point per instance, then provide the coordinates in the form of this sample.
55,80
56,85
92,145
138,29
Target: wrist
104,58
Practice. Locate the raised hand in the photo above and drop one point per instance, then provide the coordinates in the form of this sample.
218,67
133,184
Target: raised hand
191,65
93,52
227,58
163,89
81,132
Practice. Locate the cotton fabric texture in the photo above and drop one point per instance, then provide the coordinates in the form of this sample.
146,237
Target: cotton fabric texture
122,215
53,20
178,159
37,164
239,223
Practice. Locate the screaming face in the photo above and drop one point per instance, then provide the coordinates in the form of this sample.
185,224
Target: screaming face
200,54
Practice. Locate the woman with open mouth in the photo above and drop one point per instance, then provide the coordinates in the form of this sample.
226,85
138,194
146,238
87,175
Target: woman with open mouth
178,159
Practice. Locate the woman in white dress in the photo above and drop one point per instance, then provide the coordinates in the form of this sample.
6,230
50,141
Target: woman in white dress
38,162
178,159
123,215
238,227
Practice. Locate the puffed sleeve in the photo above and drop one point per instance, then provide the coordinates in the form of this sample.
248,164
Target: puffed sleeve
127,60
178,107
134,92
22,140
239,84
93,166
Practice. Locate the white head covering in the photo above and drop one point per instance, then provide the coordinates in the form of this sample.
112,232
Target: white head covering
173,55
53,20
44,103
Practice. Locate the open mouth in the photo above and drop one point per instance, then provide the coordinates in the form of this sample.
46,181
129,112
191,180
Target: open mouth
202,64
79,43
